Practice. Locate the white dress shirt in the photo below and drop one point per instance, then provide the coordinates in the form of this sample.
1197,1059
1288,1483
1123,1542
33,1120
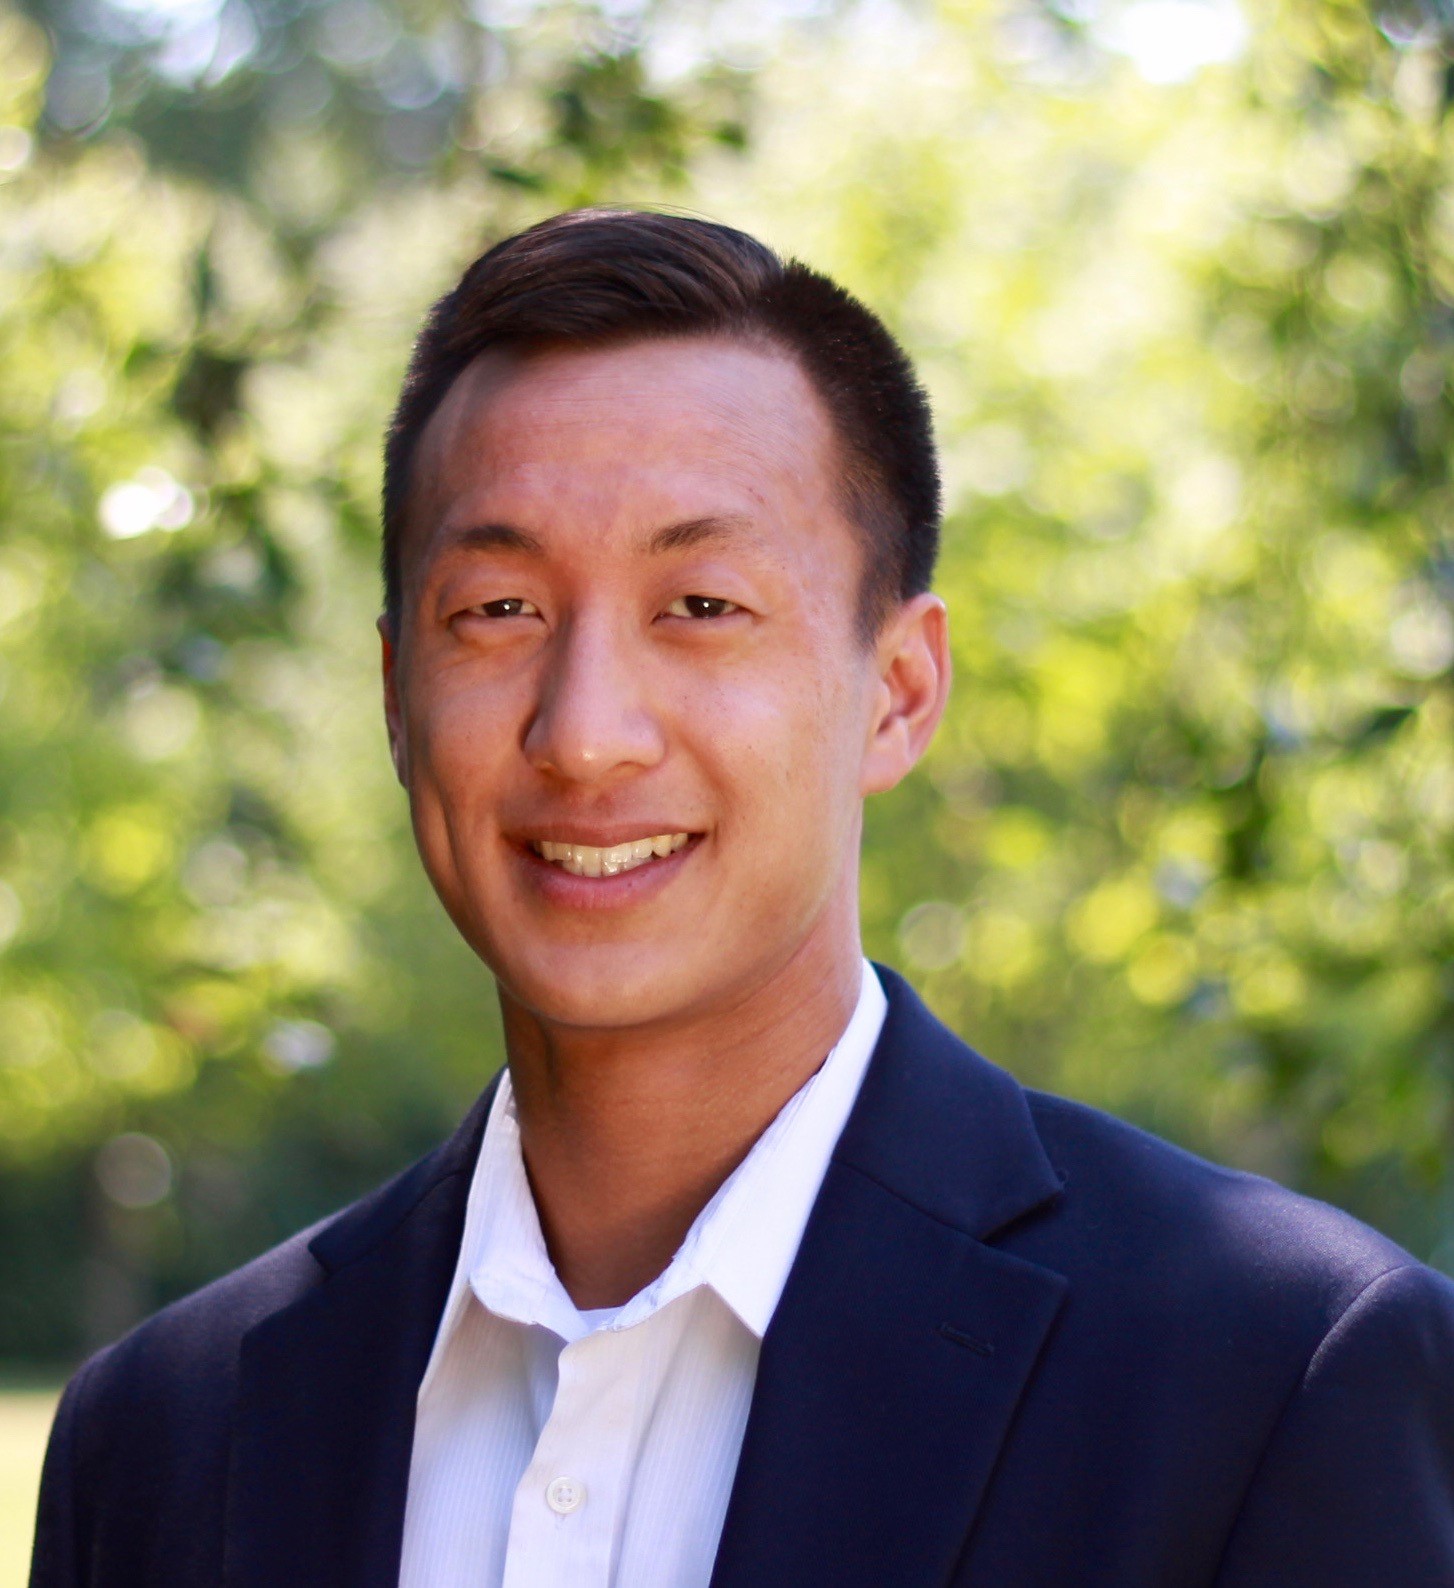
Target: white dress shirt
560,1449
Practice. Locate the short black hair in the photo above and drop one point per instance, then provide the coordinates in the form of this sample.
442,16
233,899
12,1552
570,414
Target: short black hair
596,277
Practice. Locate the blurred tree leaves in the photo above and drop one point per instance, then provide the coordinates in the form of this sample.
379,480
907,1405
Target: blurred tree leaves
365,92
1185,846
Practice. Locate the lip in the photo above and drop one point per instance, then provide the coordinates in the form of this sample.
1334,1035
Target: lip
559,887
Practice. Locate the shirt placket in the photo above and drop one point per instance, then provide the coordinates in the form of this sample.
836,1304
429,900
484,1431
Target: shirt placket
567,1511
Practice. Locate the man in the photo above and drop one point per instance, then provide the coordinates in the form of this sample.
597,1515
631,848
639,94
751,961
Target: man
747,1272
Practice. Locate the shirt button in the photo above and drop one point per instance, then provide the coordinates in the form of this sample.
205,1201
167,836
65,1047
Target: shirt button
565,1495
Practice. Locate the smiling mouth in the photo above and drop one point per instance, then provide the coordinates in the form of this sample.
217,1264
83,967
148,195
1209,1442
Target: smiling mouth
586,860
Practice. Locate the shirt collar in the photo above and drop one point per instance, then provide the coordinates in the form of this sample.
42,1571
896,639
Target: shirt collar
744,1241
741,1245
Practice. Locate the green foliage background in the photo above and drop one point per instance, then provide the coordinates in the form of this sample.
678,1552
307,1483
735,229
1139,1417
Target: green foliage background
1185,846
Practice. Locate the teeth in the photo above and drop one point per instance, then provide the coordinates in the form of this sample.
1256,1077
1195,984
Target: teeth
586,860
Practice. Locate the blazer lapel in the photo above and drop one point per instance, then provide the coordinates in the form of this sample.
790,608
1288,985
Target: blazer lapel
327,1386
893,1366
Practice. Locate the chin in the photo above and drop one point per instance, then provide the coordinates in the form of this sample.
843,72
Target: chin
604,986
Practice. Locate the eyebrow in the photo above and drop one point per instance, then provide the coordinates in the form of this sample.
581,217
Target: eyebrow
674,537
696,532
499,537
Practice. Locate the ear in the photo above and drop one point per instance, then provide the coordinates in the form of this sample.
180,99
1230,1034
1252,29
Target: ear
393,715
913,666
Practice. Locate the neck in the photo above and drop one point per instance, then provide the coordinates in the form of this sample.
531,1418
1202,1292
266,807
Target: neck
628,1133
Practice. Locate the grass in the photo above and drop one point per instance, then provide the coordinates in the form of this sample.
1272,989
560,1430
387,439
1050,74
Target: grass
24,1423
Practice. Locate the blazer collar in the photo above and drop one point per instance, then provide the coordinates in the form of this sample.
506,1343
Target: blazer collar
367,1222
326,1387
943,1129
891,1373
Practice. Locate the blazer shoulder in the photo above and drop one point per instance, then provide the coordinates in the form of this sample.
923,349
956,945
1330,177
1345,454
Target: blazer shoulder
192,1344
1186,1226
190,1349
151,1413
194,1341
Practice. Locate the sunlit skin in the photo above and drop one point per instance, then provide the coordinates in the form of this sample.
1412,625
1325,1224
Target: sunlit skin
629,608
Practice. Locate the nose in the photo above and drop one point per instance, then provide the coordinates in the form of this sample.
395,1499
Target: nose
593,719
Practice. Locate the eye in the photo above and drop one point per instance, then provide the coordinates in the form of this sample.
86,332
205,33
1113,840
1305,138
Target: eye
507,607
700,606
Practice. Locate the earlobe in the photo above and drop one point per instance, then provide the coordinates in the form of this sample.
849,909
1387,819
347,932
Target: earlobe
914,674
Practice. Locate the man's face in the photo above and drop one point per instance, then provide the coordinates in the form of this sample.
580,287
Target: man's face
628,698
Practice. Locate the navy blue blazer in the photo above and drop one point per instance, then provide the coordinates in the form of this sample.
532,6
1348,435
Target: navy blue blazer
1023,1346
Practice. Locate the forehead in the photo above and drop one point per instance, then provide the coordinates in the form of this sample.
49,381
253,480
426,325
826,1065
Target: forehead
625,437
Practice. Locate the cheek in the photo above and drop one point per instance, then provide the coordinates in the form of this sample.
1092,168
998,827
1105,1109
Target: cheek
788,756
460,731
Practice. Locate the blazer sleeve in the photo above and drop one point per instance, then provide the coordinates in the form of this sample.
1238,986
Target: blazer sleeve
56,1558
1355,1488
